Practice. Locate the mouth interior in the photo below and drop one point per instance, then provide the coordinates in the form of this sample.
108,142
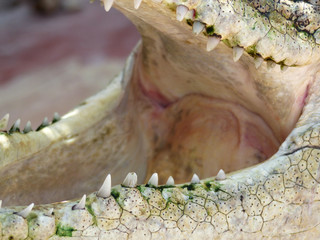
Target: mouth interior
185,111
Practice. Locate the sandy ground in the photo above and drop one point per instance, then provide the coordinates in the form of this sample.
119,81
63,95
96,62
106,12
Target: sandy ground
50,64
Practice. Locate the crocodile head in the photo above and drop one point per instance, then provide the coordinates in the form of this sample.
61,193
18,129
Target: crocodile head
230,85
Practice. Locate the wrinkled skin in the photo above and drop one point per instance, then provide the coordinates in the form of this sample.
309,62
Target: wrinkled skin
178,109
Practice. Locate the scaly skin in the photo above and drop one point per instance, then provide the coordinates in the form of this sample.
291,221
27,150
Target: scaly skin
277,199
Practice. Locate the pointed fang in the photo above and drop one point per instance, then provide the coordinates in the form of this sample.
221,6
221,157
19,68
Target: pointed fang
170,181
195,179
197,27
130,180
137,4
107,5
80,205
212,43
15,127
221,175
105,190
27,128
4,122
44,124
181,12
25,212
56,117
154,179
258,61
237,53
50,212
0,203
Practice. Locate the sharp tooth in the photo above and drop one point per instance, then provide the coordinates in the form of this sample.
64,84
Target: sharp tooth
15,127
27,128
170,181
130,180
80,205
4,122
25,212
237,53
56,117
197,27
213,41
137,3
105,189
154,179
44,124
221,175
107,4
50,212
0,204
258,61
181,12
195,179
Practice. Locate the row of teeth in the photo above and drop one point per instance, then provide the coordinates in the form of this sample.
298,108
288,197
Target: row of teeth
198,27
129,181
16,126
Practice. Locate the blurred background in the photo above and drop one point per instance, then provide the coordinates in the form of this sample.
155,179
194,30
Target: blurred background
56,53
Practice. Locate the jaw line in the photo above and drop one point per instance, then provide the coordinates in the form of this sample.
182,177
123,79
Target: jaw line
110,98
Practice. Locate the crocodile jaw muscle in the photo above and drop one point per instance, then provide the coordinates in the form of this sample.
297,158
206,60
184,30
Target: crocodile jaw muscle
170,96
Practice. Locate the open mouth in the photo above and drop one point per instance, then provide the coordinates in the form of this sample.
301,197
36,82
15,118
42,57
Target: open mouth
212,88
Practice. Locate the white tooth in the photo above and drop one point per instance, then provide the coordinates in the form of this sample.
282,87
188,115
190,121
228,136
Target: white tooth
195,179
170,181
45,122
197,27
4,122
130,180
213,41
50,211
258,61
284,68
181,12
0,203
16,126
221,175
137,3
27,128
154,179
237,53
107,4
25,212
56,117
105,189
81,204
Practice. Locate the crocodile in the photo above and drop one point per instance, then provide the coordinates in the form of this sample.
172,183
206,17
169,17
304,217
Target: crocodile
228,90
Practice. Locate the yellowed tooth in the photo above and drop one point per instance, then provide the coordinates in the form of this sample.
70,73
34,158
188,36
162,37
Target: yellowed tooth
237,53
181,12
107,4
212,43
105,189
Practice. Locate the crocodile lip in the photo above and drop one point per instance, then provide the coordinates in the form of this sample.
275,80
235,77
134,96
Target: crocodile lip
183,109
